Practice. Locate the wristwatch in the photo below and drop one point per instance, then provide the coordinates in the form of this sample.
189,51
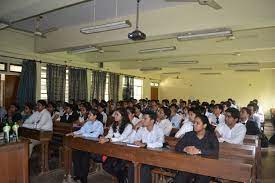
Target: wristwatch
199,151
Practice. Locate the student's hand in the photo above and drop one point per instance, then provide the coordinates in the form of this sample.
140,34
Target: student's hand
103,140
77,135
187,149
138,143
218,134
69,134
138,125
194,150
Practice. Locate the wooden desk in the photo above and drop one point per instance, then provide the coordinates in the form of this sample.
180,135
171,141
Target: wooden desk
60,128
14,158
44,137
226,169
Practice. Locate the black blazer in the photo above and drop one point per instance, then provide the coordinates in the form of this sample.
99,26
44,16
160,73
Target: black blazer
73,117
252,128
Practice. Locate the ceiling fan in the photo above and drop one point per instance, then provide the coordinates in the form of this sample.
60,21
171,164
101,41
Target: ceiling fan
211,3
37,29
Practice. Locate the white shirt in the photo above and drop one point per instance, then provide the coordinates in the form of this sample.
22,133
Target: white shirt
213,119
186,127
175,120
257,119
140,116
232,136
117,137
208,114
135,120
153,139
166,126
40,120
104,115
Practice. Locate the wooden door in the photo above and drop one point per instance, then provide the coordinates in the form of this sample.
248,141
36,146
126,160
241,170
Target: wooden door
11,87
154,93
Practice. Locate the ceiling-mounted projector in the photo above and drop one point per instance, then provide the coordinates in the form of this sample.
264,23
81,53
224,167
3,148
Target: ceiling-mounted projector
137,34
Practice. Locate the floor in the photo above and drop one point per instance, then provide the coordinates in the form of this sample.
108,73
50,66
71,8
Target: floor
56,175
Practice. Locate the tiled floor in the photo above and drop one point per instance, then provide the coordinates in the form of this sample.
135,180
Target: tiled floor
268,167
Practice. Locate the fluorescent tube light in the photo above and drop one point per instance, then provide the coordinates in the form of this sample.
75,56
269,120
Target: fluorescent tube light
203,34
3,25
150,69
247,70
247,64
200,68
83,50
184,62
210,73
162,49
106,27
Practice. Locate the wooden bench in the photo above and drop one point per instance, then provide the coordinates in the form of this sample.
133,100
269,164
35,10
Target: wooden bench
44,137
240,171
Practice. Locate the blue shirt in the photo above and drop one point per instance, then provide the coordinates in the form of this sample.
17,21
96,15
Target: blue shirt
91,129
175,120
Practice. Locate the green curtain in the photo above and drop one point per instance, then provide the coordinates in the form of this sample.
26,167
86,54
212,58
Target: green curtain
77,84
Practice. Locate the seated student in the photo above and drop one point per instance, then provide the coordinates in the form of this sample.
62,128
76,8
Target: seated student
202,141
188,124
27,112
163,121
119,131
138,113
92,128
13,114
53,110
175,118
83,115
231,131
40,120
101,109
131,114
217,117
251,126
69,115
254,116
151,136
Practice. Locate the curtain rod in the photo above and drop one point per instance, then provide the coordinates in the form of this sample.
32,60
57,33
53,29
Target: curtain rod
92,69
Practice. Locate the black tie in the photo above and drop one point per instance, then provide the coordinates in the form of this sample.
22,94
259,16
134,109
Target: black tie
217,120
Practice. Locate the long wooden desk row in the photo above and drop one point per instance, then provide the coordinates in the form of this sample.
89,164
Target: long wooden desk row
240,171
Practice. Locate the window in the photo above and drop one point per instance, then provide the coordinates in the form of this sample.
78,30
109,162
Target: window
67,86
15,68
106,94
138,85
44,95
3,67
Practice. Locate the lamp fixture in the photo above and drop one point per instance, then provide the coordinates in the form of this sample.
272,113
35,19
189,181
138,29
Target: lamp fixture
3,25
83,50
162,49
210,73
145,69
204,34
106,27
200,68
244,64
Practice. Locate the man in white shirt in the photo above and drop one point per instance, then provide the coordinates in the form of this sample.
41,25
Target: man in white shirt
40,120
231,131
163,122
217,117
254,116
188,124
151,136
175,118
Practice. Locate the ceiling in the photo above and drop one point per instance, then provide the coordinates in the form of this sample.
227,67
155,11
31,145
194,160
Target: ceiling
252,22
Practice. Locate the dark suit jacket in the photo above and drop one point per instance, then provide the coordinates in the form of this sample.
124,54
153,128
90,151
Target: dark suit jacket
73,117
252,128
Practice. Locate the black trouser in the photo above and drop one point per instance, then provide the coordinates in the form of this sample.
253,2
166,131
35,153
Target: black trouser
185,177
116,167
81,165
145,173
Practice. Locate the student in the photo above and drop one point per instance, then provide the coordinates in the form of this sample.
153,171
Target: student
163,120
202,141
101,109
131,114
217,117
13,114
52,108
231,131
188,124
175,118
154,106
27,112
151,136
254,116
119,131
251,126
138,113
92,128
83,115
69,116
40,120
